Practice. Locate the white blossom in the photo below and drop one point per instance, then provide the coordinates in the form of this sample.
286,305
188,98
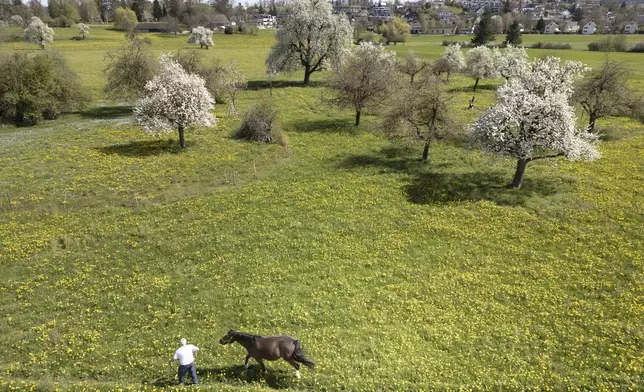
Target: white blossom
452,60
83,30
310,38
480,64
17,20
39,33
202,36
533,117
174,99
511,62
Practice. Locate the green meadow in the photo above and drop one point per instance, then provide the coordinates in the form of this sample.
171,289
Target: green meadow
394,274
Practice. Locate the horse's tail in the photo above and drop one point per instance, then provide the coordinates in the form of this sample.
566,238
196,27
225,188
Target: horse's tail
299,356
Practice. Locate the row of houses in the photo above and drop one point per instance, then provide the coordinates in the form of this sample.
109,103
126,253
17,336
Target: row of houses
210,21
570,27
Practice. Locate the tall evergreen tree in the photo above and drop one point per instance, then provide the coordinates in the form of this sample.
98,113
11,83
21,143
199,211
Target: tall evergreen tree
484,30
577,13
157,11
55,8
138,6
515,36
175,8
541,25
507,7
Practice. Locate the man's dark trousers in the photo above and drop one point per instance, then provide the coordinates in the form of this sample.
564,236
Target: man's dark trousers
183,369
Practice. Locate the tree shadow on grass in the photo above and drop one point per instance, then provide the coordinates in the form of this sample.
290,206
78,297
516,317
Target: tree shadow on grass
142,148
276,378
107,112
432,183
263,84
394,158
438,187
470,88
329,125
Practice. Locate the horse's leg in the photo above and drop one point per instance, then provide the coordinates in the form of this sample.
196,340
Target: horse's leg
246,362
295,365
261,363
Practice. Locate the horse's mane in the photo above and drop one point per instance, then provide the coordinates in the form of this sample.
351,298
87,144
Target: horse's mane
246,336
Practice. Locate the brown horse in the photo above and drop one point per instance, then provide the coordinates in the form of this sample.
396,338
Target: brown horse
270,348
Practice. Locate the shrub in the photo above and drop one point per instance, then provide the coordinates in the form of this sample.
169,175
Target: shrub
609,44
260,124
62,21
228,30
128,68
462,44
125,19
38,87
249,29
637,48
551,45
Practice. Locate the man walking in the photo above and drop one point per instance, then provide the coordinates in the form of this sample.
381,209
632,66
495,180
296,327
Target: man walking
185,355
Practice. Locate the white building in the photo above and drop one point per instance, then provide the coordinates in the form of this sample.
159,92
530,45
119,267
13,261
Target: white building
551,28
589,28
631,28
570,27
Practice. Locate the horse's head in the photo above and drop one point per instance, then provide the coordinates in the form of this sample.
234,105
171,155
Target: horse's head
228,338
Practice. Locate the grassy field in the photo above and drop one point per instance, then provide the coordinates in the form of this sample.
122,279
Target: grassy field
394,275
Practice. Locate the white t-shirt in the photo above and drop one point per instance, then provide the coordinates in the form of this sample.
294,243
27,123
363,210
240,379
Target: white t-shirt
185,354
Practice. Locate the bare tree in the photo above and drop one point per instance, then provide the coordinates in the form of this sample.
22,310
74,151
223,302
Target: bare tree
365,78
411,65
605,92
420,112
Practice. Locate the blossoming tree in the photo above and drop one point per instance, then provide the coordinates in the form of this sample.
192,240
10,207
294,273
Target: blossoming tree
39,33
83,30
451,61
310,38
364,78
480,64
174,99
511,62
202,36
533,118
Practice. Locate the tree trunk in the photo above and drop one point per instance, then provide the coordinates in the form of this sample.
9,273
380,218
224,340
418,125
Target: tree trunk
448,76
518,175
271,88
307,75
591,123
476,84
426,151
357,117
182,141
